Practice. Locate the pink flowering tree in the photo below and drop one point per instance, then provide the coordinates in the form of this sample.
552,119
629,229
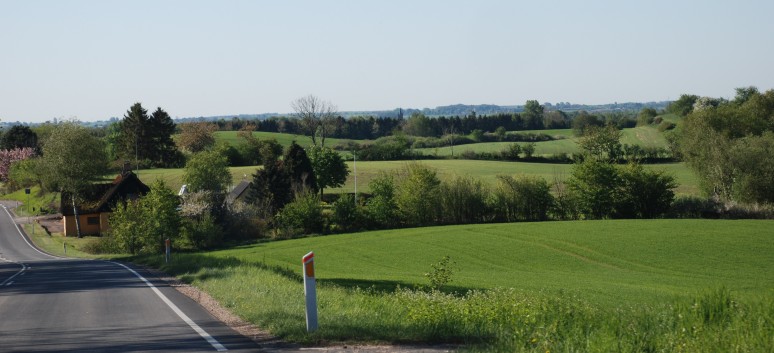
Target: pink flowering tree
9,156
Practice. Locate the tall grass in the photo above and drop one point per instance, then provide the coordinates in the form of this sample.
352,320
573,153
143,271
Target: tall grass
495,320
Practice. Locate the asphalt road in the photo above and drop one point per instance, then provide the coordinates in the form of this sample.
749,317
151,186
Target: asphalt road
51,304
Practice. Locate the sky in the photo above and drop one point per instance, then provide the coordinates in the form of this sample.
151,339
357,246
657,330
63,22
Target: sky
91,60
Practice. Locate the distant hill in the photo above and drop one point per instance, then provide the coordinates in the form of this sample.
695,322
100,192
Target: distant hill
446,110
459,110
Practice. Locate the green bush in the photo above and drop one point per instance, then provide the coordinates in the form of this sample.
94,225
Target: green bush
347,215
302,216
417,195
202,232
464,200
522,198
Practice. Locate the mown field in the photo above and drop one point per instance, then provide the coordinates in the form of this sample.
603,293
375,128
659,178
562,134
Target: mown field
645,136
487,171
232,138
634,285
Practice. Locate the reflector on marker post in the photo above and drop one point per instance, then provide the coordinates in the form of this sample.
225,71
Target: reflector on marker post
310,292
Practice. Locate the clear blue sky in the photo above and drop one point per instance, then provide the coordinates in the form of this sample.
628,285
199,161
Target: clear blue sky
93,59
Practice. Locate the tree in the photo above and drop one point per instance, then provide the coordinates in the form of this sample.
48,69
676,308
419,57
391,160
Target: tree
418,125
644,193
317,117
533,115
522,198
161,128
381,207
11,156
72,160
594,184
417,196
196,137
329,168
19,136
726,147
141,226
583,121
683,105
207,171
160,209
601,143
646,116
271,188
134,140
299,170
500,132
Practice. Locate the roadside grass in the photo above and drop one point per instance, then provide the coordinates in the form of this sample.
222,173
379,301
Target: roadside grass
33,203
626,286
55,244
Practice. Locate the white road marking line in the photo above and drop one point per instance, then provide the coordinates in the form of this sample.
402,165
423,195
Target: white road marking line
9,280
214,343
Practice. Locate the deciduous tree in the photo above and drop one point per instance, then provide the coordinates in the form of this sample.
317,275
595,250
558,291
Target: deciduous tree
316,116
329,168
72,160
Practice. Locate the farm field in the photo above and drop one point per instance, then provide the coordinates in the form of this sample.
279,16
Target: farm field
610,262
698,285
645,136
285,140
484,170
487,171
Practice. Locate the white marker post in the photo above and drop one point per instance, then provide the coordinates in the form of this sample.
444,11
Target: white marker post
310,292
168,249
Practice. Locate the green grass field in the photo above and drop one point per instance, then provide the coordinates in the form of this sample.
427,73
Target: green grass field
487,171
612,262
646,136
658,285
285,140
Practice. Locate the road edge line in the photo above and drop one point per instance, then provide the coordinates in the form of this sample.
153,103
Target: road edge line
24,237
211,340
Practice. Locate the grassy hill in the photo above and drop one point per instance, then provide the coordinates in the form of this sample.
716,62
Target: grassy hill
611,262
671,285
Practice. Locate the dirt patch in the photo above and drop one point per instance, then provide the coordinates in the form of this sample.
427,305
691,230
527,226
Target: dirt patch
52,224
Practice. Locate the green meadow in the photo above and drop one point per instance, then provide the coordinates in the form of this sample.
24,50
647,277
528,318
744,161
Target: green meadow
232,138
599,286
487,171
645,136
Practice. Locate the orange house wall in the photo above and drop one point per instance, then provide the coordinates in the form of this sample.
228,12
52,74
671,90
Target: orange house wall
70,229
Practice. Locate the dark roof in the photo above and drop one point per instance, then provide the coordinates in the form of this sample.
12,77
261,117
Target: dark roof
103,197
238,191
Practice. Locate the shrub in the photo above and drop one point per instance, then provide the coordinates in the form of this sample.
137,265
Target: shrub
202,232
416,195
302,216
693,207
511,152
644,193
346,214
522,198
381,209
666,125
463,200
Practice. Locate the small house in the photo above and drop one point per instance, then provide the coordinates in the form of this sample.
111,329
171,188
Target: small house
98,202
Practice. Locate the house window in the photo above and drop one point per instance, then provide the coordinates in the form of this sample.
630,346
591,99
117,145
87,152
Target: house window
92,221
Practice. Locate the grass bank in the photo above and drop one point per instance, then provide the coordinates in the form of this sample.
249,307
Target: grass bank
664,285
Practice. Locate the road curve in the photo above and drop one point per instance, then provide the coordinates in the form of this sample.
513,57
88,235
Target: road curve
52,304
